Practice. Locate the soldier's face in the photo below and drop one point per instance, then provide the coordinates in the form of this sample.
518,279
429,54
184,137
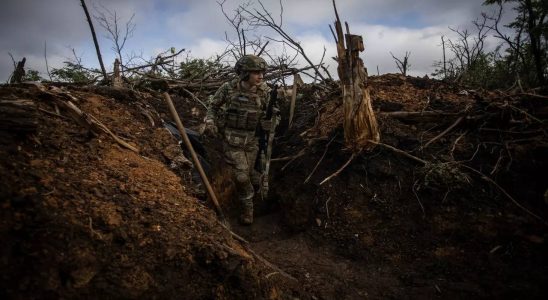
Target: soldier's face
255,78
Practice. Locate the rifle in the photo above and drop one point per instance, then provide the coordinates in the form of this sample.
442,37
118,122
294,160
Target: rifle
266,139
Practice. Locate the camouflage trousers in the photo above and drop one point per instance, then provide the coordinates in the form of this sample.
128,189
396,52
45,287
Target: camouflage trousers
241,159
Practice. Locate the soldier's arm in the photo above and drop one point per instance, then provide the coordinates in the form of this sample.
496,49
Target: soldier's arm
217,101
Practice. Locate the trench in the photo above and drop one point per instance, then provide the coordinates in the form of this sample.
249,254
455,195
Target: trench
371,232
386,227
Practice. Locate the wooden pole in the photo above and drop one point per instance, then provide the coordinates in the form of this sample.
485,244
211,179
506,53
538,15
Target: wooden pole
195,158
293,99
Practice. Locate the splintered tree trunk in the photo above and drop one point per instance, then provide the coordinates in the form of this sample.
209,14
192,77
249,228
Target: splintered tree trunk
18,116
19,72
116,78
360,124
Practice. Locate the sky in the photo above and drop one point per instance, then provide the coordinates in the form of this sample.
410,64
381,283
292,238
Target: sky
36,29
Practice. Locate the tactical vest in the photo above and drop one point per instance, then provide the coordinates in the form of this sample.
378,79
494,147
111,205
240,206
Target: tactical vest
244,111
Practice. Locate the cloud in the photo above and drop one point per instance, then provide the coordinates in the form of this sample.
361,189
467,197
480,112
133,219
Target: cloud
381,40
26,25
207,48
200,26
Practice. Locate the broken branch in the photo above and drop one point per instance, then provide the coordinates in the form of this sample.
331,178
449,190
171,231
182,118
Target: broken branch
457,122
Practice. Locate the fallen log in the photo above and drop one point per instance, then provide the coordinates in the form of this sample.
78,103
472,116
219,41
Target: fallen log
19,115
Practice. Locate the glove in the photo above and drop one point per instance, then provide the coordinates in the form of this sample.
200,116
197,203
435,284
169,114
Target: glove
210,128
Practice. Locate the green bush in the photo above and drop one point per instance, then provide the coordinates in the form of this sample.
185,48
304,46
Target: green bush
74,73
199,68
32,75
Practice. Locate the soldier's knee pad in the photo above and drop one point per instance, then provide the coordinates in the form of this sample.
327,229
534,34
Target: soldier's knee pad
242,178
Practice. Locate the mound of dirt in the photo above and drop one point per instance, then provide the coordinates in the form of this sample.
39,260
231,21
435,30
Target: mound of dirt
420,216
84,217
451,204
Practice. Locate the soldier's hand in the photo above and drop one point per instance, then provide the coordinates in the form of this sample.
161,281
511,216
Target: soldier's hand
266,125
210,127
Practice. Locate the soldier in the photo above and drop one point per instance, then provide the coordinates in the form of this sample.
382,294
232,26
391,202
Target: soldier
237,109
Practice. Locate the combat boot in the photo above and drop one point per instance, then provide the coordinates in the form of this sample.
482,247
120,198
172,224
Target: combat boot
246,217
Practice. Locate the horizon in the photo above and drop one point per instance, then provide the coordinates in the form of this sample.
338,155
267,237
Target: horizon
200,28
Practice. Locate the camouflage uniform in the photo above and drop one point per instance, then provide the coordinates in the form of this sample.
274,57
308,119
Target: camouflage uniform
237,113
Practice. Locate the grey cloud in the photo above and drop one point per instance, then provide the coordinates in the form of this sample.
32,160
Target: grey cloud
26,24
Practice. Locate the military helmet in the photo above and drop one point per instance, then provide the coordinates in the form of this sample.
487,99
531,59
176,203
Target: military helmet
248,63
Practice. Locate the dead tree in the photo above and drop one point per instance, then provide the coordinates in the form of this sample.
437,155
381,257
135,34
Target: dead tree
468,49
103,70
116,78
263,18
110,21
19,72
238,22
403,65
360,123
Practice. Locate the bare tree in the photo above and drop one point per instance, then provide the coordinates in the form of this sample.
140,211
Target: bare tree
403,65
244,43
468,52
515,43
263,18
469,48
117,33
103,70
240,25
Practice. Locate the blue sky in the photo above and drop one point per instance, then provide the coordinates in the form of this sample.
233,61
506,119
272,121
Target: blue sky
199,26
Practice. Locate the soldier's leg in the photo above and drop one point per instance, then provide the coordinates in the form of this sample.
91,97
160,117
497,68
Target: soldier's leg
237,158
251,156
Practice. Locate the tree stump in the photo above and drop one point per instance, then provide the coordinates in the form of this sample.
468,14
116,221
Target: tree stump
360,124
116,77
19,72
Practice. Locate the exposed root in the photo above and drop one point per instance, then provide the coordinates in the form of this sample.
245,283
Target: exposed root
342,168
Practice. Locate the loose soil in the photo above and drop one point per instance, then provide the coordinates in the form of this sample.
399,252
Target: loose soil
84,217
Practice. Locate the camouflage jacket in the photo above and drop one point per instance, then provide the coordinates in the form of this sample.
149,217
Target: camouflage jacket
233,108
